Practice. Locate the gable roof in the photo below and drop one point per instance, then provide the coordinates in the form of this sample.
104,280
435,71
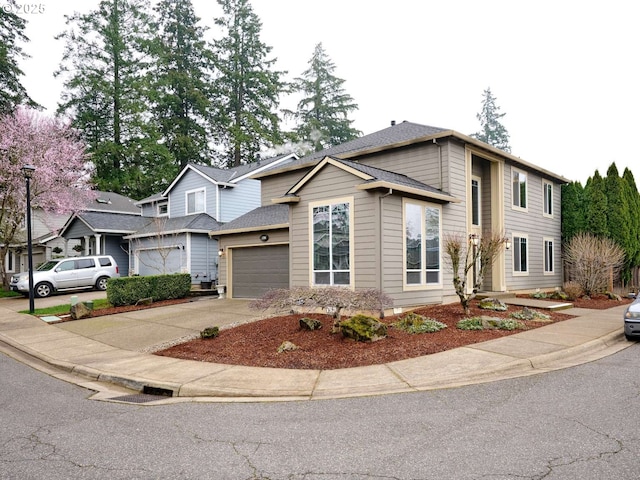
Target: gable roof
200,223
270,217
228,177
373,178
108,222
114,203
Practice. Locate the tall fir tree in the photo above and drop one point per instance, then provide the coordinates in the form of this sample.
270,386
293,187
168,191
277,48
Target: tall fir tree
12,26
180,77
323,113
596,206
633,197
248,86
572,210
617,214
491,129
106,94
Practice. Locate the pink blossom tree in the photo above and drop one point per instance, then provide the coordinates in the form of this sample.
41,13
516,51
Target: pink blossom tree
60,182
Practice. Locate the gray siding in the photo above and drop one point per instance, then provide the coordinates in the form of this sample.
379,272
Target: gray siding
536,227
191,181
116,247
277,185
236,201
203,254
78,229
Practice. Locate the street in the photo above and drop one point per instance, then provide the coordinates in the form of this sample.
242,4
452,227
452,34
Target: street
569,424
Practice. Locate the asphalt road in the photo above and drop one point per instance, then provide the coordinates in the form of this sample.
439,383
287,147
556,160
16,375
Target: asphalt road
578,423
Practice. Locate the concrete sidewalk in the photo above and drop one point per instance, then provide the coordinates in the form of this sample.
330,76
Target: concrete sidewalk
109,351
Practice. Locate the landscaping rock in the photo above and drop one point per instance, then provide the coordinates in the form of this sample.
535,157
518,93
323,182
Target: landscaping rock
80,310
145,301
287,346
363,329
310,324
493,304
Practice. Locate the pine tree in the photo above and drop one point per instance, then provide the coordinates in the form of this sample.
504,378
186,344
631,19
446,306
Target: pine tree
573,215
106,94
633,197
12,92
596,206
181,88
322,114
249,89
617,213
491,130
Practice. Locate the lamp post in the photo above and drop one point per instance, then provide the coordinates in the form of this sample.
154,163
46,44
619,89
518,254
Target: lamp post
27,171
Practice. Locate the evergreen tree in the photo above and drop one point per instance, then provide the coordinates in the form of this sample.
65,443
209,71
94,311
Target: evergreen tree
617,214
12,92
633,197
181,89
573,215
249,89
491,130
596,206
105,93
322,114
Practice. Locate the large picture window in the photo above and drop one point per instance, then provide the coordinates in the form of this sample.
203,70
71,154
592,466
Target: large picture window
519,189
422,244
331,244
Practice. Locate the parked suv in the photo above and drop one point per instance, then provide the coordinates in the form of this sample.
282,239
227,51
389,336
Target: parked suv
632,320
67,274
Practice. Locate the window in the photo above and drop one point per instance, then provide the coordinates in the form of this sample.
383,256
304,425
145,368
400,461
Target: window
519,189
10,262
195,201
548,255
331,244
105,261
520,254
163,208
475,201
422,244
85,263
548,198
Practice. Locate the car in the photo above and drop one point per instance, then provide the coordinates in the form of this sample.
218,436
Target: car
632,320
67,274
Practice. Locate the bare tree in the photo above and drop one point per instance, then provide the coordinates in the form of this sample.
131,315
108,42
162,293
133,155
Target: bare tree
592,261
470,258
162,242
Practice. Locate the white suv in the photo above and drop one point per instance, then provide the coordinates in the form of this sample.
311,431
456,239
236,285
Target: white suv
67,274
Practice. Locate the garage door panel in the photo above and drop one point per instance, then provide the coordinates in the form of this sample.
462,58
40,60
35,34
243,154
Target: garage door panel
151,261
258,269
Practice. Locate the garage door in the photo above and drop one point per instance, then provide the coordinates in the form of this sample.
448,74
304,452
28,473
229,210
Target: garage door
159,261
258,269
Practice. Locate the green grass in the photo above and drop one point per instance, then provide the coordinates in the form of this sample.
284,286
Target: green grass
8,293
66,308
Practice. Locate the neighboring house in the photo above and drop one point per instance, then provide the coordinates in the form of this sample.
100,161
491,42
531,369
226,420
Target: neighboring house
374,212
176,237
101,227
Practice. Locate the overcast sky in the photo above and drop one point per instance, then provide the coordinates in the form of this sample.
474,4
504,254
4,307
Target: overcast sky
564,72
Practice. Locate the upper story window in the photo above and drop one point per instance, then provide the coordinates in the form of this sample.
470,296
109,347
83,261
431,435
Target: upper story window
548,198
519,189
422,244
163,208
331,243
475,201
195,201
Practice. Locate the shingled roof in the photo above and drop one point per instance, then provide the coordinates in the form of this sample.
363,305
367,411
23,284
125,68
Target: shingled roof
268,217
200,223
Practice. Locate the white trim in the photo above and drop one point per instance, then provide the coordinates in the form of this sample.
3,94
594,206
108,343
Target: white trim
544,255
164,203
204,201
515,170
479,181
514,246
544,199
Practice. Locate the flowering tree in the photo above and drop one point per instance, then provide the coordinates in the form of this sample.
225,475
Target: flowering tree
60,182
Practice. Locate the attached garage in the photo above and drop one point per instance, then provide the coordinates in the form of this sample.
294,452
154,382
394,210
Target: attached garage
254,270
154,261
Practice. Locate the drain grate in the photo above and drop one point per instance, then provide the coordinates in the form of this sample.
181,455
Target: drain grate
139,398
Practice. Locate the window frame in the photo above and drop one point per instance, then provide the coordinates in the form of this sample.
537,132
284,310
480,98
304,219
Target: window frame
349,201
204,201
547,199
10,261
545,252
517,247
165,204
519,206
424,284
476,202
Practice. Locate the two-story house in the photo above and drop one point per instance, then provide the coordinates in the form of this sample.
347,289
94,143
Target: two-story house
374,213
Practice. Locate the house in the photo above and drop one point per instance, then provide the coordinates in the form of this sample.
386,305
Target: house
175,237
374,213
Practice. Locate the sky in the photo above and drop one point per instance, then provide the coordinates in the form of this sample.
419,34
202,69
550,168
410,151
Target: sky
564,73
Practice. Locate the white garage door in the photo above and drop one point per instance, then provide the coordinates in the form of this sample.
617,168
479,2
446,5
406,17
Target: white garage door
159,261
258,269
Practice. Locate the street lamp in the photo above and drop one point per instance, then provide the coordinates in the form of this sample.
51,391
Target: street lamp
27,171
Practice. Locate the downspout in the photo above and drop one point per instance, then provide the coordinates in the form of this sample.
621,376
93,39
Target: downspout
435,142
380,226
217,202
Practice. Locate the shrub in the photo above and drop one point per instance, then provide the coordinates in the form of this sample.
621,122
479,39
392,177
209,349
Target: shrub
414,323
529,314
210,332
473,323
479,323
128,290
539,294
573,290
510,325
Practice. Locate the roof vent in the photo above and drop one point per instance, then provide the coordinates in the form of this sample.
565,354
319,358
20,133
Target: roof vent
102,200
393,123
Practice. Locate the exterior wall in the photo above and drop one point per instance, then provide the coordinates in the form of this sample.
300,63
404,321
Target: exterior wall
277,185
537,227
78,229
236,201
192,181
252,239
203,258
115,246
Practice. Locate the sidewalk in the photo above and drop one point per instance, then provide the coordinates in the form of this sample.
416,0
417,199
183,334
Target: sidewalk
108,352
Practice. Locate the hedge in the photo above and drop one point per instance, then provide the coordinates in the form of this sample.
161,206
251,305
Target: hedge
129,290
